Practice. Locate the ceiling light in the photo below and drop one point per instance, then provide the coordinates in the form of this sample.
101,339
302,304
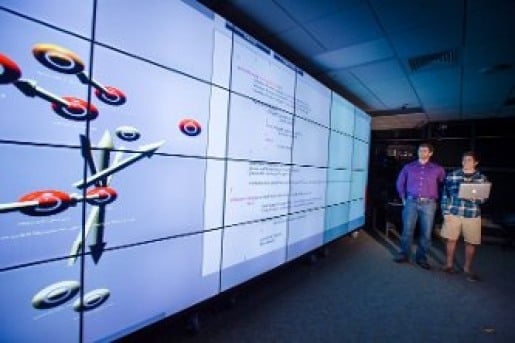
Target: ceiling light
496,68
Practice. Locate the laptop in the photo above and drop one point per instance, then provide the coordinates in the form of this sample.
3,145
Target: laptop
469,190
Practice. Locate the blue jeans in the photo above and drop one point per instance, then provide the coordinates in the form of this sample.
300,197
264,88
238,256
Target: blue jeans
424,212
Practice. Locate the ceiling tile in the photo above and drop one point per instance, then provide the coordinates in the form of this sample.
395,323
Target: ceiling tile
367,97
449,102
308,10
442,110
379,71
267,14
345,28
488,87
437,86
397,15
427,39
343,77
482,55
395,93
354,55
300,41
441,77
498,16
481,107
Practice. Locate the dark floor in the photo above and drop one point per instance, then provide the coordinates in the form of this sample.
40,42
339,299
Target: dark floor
357,294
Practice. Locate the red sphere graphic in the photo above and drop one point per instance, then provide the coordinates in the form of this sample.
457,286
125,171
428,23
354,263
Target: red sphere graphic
190,127
9,70
77,109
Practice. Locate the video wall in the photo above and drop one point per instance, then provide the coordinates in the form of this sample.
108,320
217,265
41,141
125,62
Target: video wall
154,155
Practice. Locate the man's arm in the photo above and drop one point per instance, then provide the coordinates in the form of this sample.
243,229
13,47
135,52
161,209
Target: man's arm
401,184
441,176
445,199
482,201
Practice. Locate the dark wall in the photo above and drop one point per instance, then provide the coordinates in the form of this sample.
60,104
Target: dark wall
492,139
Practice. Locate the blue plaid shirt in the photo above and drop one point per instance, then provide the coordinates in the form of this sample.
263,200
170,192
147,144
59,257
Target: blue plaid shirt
450,202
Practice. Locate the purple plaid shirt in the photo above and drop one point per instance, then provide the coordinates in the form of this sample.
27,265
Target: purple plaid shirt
420,180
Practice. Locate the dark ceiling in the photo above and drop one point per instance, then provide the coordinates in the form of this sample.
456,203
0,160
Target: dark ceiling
405,62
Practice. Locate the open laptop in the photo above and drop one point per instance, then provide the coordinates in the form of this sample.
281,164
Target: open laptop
469,190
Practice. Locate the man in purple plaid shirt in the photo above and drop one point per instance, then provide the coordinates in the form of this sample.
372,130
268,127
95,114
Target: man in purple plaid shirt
462,215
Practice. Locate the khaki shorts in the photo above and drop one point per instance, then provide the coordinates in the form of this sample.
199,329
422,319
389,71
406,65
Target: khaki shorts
453,226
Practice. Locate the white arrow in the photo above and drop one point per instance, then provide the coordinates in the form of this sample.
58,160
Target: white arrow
146,151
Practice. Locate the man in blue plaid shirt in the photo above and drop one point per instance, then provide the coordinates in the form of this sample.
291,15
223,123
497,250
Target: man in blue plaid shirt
462,215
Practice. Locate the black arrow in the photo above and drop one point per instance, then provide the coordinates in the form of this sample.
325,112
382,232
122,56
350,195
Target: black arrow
85,148
97,248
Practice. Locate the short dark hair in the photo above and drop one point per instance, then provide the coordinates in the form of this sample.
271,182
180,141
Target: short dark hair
427,145
472,154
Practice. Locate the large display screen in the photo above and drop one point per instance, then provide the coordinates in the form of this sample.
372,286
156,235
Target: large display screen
155,155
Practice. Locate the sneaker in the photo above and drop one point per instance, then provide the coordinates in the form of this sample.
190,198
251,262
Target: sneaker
448,270
424,265
472,277
400,259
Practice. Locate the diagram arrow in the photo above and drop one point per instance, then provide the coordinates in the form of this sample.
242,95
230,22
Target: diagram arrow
30,88
86,80
146,151
85,148
15,206
92,223
77,244
106,144
97,248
